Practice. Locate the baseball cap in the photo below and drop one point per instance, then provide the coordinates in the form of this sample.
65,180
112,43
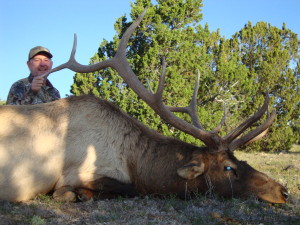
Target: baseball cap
39,49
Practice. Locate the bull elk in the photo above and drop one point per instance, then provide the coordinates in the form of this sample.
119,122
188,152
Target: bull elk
83,147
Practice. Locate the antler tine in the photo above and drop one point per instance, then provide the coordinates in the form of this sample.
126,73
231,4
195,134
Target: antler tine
218,128
65,65
193,104
191,109
246,124
162,80
121,51
262,129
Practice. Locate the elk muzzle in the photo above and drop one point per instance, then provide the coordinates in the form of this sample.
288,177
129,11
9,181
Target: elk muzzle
269,190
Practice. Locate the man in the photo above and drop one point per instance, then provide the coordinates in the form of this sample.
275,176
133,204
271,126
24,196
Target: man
34,89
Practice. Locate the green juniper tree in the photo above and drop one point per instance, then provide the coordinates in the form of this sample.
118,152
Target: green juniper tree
271,56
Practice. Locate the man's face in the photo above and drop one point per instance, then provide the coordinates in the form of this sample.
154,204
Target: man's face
39,64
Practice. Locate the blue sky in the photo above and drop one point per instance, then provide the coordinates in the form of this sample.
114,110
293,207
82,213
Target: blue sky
25,24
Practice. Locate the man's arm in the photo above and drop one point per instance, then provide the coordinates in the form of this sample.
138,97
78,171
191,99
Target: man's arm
19,94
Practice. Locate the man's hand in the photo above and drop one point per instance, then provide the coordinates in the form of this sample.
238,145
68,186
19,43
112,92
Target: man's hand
37,83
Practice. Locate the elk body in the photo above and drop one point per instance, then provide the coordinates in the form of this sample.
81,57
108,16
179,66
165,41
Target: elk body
83,146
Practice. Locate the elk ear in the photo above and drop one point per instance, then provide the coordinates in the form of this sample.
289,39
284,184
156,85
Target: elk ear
191,170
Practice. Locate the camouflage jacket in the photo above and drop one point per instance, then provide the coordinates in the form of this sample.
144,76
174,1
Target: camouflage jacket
21,94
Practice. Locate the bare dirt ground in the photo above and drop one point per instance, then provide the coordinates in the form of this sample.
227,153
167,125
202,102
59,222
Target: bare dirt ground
283,167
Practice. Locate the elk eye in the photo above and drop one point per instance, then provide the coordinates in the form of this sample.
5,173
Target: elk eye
228,168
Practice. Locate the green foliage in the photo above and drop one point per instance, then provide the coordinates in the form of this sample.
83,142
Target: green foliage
234,72
36,220
271,56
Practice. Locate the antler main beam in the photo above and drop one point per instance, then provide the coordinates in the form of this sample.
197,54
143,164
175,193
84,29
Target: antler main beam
154,100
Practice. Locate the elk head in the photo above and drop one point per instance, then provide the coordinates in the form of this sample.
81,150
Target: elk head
222,167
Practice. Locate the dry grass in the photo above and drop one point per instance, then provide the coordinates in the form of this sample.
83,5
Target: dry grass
283,167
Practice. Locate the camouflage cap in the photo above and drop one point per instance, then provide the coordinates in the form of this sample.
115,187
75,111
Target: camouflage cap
39,49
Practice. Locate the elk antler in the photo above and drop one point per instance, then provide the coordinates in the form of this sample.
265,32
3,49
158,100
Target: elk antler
154,100
230,138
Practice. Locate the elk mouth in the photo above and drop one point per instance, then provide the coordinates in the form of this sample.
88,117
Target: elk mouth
275,197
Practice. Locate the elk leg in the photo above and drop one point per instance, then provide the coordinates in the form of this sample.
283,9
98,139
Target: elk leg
65,194
105,188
